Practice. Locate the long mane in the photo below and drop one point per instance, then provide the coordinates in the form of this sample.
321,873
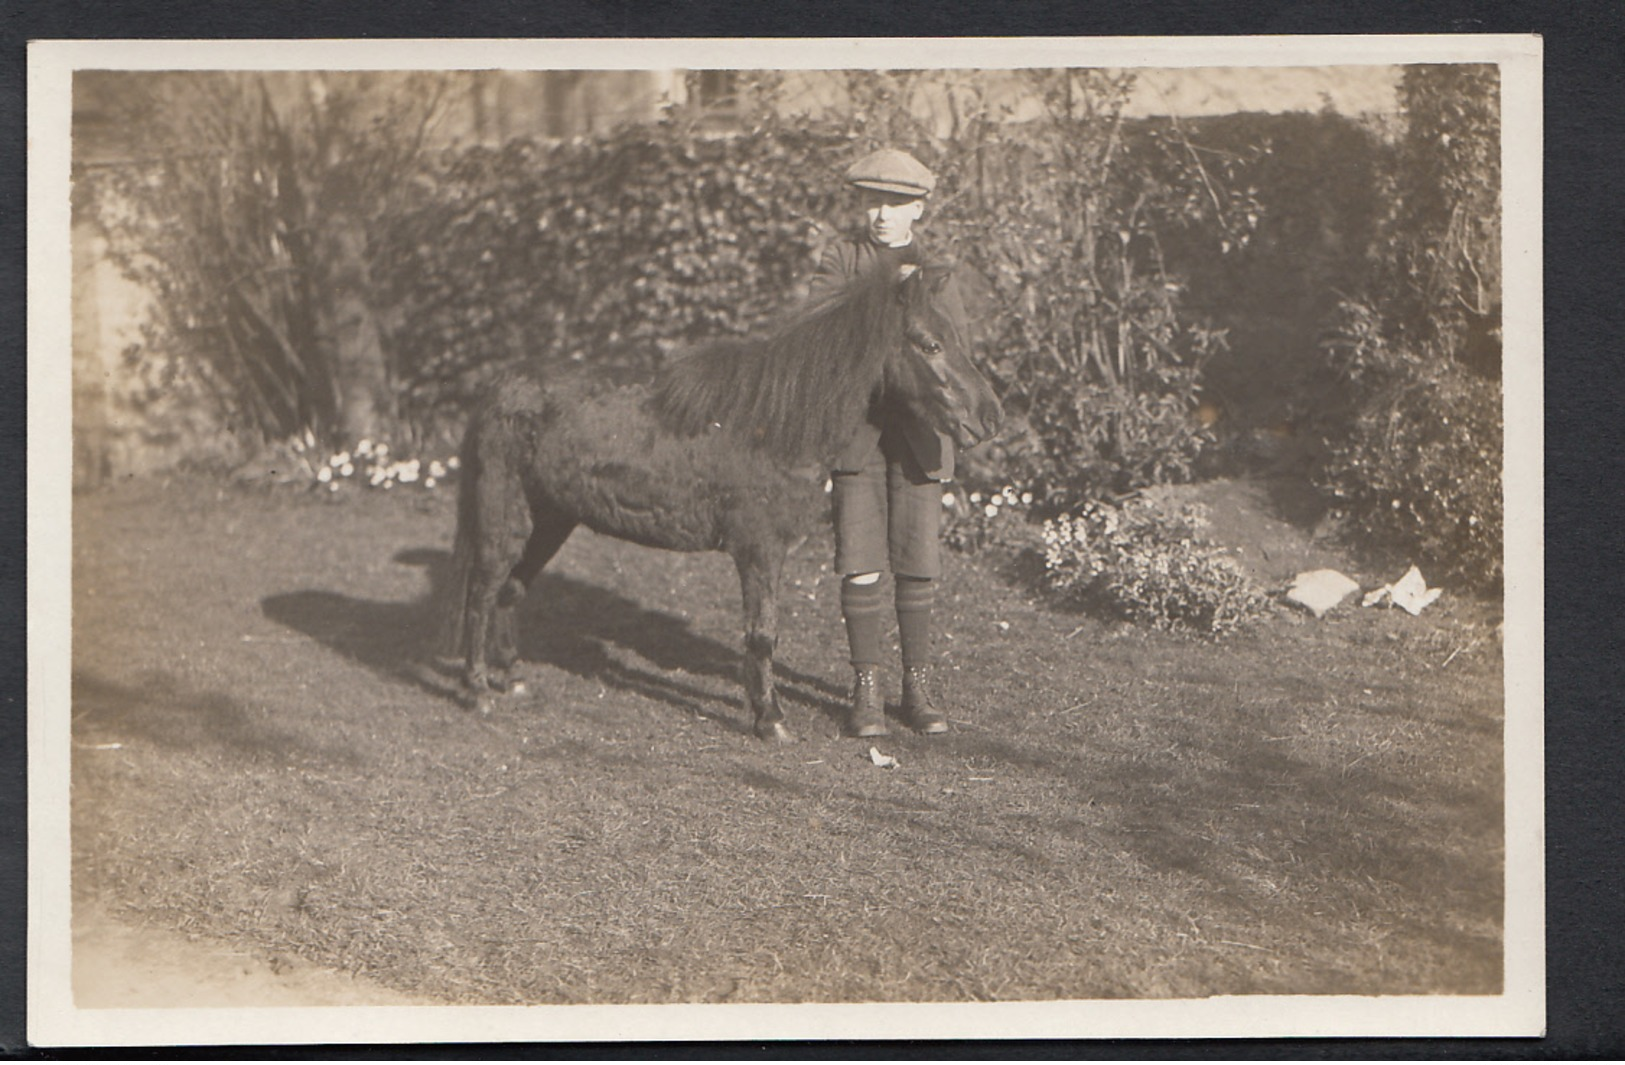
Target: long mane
796,391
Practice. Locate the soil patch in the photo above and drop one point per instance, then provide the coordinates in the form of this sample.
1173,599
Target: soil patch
118,965
1268,526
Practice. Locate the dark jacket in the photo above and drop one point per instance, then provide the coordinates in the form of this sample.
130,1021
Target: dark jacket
843,260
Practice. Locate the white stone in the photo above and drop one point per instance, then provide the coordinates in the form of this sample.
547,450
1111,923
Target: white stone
1320,590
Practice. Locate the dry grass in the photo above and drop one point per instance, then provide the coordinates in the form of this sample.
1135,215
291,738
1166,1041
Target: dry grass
1312,808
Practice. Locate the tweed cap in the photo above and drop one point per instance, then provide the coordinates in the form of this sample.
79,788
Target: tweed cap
890,170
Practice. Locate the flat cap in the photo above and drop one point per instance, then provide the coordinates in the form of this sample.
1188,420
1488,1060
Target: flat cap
890,170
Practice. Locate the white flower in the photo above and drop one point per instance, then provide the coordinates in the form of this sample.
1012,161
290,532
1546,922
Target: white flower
347,469
436,469
364,448
428,482
948,500
324,474
991,510
338,460
1026,499
454,463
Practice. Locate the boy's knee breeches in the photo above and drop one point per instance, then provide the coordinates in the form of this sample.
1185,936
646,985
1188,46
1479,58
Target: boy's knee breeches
887,516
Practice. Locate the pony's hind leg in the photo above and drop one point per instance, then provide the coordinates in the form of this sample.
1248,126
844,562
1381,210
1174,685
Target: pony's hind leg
759,571
549,529
499,527
480,679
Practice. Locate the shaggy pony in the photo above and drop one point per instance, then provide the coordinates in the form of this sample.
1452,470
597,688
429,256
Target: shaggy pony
725,450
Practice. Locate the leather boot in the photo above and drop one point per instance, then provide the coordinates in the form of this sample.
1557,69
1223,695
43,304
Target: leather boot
917,708
868,717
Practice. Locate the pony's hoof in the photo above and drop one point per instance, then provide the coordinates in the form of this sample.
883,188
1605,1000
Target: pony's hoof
774,731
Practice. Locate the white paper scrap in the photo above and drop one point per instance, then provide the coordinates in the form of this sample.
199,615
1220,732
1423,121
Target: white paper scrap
884,761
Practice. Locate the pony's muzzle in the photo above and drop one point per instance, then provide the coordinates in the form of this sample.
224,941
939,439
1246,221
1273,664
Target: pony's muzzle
982,424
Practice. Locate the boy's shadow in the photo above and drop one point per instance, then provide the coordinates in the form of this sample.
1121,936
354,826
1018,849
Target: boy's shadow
564,622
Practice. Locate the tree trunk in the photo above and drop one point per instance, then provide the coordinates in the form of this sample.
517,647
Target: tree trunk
348,330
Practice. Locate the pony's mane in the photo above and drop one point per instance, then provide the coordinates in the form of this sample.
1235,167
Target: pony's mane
796,391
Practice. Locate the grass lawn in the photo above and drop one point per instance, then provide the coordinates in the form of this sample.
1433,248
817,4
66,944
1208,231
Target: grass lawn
264,758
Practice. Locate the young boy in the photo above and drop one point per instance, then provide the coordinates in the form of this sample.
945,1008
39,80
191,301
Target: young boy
888,480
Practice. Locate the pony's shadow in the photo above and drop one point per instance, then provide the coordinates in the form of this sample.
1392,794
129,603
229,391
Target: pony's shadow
570,624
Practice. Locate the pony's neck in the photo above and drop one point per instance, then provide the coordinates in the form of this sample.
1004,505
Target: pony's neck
800,391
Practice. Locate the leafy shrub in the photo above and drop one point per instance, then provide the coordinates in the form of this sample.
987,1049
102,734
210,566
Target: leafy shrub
1308,187
1419,469
1067,219
1151,565
611,251
1440,265
1415,447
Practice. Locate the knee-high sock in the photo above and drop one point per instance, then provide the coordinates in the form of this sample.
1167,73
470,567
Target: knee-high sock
915,600
861,606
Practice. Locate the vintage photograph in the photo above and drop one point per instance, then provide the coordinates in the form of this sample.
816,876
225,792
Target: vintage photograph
1034,538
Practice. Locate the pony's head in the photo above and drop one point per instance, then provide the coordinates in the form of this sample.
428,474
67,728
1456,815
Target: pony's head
932,375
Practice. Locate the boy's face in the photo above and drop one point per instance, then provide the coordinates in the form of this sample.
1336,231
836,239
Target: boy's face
891,215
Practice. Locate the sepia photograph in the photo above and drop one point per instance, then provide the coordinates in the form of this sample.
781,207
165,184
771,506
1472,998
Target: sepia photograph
728,539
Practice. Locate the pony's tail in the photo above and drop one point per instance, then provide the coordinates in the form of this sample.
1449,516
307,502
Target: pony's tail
451,638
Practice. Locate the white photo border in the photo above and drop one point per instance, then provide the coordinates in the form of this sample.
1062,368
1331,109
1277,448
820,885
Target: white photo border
53,1020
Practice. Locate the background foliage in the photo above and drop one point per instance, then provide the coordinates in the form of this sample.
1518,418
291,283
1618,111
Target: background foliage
1148,292
615,251
1415,443
1417,472
252,218
1099,354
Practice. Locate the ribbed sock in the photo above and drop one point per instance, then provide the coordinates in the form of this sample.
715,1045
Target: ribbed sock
916,599
861,606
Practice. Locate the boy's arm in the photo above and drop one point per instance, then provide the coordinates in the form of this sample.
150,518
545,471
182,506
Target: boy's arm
834,271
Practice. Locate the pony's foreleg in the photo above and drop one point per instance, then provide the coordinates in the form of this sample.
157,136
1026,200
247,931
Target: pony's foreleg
759,571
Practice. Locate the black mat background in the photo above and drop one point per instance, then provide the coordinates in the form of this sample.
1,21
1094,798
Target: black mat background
1585,237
